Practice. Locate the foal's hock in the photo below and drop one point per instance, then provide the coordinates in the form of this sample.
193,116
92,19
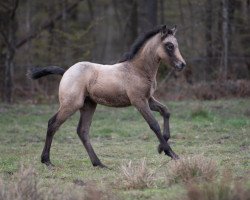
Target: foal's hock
132,81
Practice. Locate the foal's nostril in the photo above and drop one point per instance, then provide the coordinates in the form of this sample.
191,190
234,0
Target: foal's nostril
183,65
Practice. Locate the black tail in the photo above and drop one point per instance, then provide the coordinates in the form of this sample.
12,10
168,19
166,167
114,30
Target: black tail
38,72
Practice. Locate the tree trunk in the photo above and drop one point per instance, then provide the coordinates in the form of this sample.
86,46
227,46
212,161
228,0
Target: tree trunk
8,66
191,32
225,38
133,23
181,12
152,12
148,14
9,34
162,14
129,12
208,38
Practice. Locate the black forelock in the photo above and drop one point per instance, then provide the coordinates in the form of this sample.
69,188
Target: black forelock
139,42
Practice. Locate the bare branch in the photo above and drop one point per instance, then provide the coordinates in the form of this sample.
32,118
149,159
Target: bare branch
48,23
5,38
4,6
13,10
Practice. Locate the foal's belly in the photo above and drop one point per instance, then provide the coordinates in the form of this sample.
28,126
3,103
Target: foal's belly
118,100
109,96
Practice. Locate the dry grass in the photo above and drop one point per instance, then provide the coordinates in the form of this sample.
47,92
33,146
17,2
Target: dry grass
25,185
225,189
215,90
204,90
136,175
190,169
92,192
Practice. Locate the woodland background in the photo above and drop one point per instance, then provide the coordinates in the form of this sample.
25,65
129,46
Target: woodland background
213,36
211,137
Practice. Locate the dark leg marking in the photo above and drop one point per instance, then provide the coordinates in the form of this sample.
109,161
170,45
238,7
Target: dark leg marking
53,124
144,109
87,112
158,107
52,127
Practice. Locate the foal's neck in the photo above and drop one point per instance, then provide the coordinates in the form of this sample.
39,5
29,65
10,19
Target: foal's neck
147,61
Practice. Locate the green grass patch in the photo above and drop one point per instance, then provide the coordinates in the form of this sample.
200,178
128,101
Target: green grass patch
218,130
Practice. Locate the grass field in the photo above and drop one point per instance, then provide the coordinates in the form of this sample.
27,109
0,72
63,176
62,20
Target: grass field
218,130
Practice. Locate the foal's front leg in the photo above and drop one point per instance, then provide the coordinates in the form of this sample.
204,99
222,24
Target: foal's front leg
163,110
144,109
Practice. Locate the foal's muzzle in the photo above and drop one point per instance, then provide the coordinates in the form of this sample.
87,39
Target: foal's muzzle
180,66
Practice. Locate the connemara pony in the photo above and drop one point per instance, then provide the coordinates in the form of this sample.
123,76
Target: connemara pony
132,81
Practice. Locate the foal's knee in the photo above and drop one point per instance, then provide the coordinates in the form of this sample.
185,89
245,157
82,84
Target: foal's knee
166,137
166,113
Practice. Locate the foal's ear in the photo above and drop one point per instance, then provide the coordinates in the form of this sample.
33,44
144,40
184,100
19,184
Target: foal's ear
174,30
164,30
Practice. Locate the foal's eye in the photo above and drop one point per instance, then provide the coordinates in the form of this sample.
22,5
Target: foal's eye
169,46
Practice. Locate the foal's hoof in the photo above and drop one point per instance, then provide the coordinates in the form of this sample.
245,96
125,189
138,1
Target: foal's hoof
168,152
172,154
48,164
101,166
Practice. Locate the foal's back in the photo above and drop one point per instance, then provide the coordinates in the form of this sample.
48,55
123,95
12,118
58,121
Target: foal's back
104,84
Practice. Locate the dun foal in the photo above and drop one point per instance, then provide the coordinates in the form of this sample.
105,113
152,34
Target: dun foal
132,81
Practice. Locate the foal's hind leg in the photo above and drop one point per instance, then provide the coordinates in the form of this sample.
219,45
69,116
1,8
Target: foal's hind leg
54,123
87,112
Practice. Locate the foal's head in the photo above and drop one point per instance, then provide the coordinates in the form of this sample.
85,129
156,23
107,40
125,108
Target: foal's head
168,51
159,43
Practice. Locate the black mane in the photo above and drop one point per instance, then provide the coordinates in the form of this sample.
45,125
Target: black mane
139,42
